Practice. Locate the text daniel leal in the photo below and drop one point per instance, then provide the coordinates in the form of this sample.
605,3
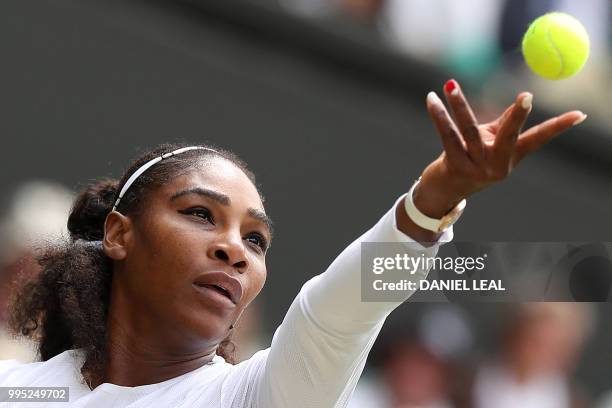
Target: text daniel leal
452,284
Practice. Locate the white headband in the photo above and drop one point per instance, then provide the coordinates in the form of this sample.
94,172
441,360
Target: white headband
149,164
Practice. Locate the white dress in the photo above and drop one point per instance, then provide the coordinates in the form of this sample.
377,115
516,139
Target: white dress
316,357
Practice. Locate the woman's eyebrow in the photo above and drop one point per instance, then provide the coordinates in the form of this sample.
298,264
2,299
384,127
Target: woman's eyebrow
213,195
225,201
261,216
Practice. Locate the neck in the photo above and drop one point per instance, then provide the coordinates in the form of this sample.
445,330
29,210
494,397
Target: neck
130,365
140,351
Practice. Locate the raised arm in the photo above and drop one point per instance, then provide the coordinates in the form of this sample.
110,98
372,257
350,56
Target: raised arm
319,351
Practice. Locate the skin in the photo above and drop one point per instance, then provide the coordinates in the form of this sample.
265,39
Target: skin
160,327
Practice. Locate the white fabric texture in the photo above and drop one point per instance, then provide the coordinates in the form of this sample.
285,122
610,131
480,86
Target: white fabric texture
316,357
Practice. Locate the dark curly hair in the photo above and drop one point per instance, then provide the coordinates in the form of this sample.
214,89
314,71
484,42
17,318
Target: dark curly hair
66,305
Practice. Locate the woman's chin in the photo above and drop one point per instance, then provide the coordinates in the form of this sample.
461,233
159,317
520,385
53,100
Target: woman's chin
210,326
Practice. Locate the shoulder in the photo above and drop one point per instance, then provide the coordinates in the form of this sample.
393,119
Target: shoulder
240,385
6,365
232,374
255,363
12,369
61,370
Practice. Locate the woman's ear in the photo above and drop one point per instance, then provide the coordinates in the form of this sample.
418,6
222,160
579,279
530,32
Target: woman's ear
118,232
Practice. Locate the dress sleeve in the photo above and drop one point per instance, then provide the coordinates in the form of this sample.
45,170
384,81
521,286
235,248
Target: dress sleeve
319,351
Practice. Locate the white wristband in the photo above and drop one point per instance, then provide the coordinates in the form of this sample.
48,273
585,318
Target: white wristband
428,223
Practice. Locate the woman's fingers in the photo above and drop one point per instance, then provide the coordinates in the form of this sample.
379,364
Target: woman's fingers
451,140
494,125
537,136
465,120
510,128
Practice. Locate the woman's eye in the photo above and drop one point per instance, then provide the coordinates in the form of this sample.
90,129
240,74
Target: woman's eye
200,212
259,240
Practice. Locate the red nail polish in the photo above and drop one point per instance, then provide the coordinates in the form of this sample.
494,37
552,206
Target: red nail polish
450,86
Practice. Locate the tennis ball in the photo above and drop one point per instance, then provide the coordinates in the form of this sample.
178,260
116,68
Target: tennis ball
556,46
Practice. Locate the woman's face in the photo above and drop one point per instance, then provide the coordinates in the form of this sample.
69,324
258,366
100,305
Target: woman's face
197,255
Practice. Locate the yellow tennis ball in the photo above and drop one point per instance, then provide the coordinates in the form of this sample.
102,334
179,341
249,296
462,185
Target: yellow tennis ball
556,46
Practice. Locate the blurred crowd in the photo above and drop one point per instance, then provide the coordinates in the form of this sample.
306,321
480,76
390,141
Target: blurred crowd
439,364
479,43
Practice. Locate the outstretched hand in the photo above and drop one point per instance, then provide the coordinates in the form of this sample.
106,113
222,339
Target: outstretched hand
478,155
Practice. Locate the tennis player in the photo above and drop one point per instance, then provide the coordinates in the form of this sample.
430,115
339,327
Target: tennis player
137,309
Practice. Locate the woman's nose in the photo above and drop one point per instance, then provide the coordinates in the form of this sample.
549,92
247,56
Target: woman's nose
230,249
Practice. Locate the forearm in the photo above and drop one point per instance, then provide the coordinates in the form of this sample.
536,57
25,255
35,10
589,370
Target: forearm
334,297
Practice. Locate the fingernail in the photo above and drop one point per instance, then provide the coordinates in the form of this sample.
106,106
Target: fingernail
580,120
526,102
452,87
432,98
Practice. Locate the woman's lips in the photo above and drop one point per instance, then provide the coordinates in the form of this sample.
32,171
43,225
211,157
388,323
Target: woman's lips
221,284
213,293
